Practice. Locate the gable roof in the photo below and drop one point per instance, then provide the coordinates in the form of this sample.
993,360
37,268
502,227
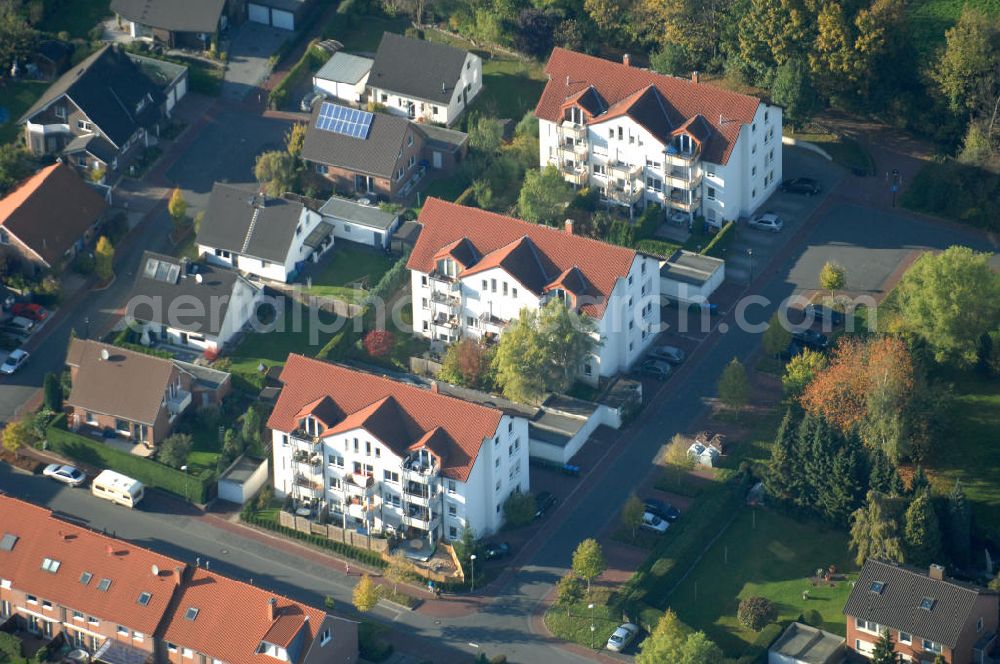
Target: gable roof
898,604
241,221
129,568
377,154
51,210
175,15
128,384
162,280
403,414
417,68
344,68
98,146
108,87
724,111
542,253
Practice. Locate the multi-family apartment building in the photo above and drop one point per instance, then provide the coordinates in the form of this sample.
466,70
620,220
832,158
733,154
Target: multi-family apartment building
640,137
473,271
123,603
362,451
927,614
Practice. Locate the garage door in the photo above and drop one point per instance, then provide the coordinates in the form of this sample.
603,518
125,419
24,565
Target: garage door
259,14
282,19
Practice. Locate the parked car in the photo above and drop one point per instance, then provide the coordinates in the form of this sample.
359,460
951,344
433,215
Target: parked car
65,474
811,338
807,186
662,509
34,312
14,361
823,313
652,522
309,100
766,221
671,354
495,550
622,637
21,324
655,368
543,501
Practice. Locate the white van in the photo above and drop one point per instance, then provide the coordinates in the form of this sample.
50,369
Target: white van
117,488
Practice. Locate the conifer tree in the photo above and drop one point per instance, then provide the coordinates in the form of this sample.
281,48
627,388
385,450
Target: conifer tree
959,525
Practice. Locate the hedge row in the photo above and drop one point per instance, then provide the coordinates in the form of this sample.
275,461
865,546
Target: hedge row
717,247
312,59
391,281
361,555
676,554
150,473
757,652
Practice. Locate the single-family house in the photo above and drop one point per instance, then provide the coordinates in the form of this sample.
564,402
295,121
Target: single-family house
422,80
357,222
927,614
688,277
262,235
639,137
101,110
176,23
48,218
344,77
804,644
194,305
135,395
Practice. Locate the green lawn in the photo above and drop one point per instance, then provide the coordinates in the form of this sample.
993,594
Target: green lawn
16,98
77,17
772,557
845,151
511,87
366,33
574,626
447,188
345,268
929,19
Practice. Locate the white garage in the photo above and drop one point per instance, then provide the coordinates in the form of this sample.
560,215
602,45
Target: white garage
276,13
690,277
343,77
242,480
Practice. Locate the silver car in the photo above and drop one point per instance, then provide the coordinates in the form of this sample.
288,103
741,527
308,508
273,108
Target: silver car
622,637
14,361
65,474
767,221
655,368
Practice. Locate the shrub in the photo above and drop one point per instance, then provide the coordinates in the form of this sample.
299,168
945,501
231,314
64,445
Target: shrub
519,510
718,245
379,343
756,612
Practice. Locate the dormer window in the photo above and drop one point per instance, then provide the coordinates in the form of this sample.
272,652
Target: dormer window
574,114
447,267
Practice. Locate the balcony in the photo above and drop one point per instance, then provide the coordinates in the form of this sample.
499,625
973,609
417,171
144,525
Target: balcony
674,157
441,277
418,494
683,178
445,298
572,131
487,319
45,130
304,458
625,171
178,402
445,321
683,200
420,517
574,174
569,149
625,195
357,485
304,482
417,469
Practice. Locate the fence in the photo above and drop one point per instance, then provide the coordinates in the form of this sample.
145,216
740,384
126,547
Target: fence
333,533
365,556
422,366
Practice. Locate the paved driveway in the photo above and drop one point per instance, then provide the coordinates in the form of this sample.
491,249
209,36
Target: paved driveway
250,46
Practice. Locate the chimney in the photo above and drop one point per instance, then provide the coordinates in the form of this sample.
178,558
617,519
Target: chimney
936,572
694,77
627,60
568,226
272,609
444,87
567,80
178,575
434,387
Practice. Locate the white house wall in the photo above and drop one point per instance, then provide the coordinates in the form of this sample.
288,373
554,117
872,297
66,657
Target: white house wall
353,93
397,104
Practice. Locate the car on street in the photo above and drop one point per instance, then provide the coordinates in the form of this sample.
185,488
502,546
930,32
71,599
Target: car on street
622,637
21,325
662,509
35,312
309,100
543,501
65,474
652,522
496,550
14,361
766,221
807,186
811,338
655,368
671,354
821,312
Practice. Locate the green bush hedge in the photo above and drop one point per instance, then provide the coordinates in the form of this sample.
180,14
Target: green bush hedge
151,473
657,247
392,280
311,60
757,652
361,555
718,245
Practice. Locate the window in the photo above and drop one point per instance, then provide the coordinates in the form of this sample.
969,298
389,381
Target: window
496,462
60,112
498,485
434,110
378,452
485,285
335,483
927,603
470,321
368,448
753,171
424,303
451,486
600,169
753,194
81,161
753,149
409,140
77,615
91,620
384,97
423,280
144,598
104,585
711,193
390,476
399,173
493,285
50,565
321,169
324,638
588,369
452,510
122,425
505,288
654,184
867,626
621,133
172,647
191,613
931,646
877,587
411,162
336,460
452,532
47,605
137,636
766,115
513,292
905,637
753,127
611,132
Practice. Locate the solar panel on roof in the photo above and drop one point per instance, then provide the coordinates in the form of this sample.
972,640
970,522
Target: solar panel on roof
345,121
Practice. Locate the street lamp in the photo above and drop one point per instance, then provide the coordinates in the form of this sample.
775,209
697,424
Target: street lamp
472,562
86,327
592,626
750,256
187,495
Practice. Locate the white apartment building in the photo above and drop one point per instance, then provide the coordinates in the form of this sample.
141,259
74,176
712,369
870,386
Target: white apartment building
642,137
365,451
473,271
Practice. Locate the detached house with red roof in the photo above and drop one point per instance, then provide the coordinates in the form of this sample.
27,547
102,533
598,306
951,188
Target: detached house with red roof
473,271
123,603
640,137
361,451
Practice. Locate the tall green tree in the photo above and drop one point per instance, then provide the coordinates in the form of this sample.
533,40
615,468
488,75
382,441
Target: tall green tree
666,640
588,561
832,276
793,89
874,533
800,371
104,258
365,594
569,591
843,488
776,337
250,431
53,391
486,135
544,196
782,468
275,172
967,72
921,531
734,385
699,649
919,481
884,651
17,37
950,300
959,525
177,207
632,513
14,165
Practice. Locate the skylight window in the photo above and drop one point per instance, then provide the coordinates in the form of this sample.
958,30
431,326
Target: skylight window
144,598
50,565
8,542
104,585
927,603
86,577
191,613
877,587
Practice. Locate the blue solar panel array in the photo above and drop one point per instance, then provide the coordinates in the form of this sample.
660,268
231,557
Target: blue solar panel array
342,120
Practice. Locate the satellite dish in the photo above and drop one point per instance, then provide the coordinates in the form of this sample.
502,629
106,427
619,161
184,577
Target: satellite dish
105,355
197,277
155,570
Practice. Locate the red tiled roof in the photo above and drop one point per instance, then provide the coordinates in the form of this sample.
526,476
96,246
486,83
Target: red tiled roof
359,394
571,72
602,264
234,617
130,568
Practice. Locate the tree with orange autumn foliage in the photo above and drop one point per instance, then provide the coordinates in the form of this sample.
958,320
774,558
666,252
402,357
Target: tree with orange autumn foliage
867,389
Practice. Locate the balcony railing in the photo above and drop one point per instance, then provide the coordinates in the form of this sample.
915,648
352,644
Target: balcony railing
576,149
625,195
450,322
359,485
683,178
179,402
621,169
417,517
571,130
304,482
486,319
441,297
575,174
674,157
440,276
302,457
680,201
